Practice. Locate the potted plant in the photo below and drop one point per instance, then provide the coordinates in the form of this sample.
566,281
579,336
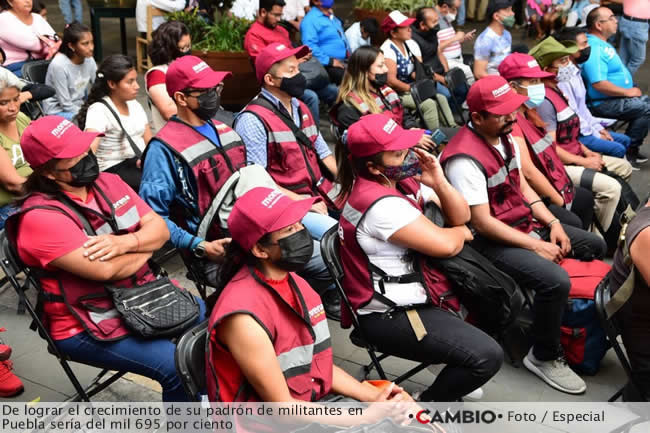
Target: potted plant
221,45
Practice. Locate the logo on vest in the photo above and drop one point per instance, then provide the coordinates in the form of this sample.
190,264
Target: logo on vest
390,126
121,202
199,67
501,90
316,312
61,128
271,199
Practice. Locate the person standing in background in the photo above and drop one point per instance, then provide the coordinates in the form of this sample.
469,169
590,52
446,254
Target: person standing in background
476,10
634,33
66,7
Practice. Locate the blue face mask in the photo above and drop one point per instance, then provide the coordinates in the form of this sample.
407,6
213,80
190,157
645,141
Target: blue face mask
327,3
536,94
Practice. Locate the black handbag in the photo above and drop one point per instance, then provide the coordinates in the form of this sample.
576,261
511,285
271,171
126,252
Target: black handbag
158,309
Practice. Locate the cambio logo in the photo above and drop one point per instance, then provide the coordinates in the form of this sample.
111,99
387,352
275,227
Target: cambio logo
425,416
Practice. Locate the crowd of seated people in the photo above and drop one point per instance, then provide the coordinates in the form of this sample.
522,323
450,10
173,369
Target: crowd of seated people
510,183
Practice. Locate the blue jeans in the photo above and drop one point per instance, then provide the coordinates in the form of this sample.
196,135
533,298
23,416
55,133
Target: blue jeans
310,98
328,93
460,19
66,9
635,110
317,224
153,358
634,36
66,114
616,148
6,211
16,68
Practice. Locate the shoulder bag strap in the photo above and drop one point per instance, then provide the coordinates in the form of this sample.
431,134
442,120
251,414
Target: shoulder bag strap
297,132
135,148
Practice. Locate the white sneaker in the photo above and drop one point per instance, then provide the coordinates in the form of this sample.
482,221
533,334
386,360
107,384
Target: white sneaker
477,394
556,373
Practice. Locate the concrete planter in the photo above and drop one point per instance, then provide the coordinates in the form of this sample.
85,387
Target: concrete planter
242,86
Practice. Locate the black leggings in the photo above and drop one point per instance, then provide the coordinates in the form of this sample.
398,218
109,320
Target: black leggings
472,357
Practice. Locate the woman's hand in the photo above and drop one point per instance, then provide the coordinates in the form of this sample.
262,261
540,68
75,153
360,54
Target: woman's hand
389,403
426,143
106,247
432,174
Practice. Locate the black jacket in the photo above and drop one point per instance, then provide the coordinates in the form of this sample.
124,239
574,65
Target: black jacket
428,42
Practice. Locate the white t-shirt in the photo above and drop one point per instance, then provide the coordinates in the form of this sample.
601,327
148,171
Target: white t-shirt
388,48
382,220
114,147
246,9
468,178
165,5
294,9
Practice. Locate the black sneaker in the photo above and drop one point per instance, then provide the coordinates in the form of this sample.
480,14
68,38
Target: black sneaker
641,158
636,166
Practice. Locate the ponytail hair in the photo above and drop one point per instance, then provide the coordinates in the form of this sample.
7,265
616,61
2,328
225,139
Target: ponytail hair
114,68
235,258
350,167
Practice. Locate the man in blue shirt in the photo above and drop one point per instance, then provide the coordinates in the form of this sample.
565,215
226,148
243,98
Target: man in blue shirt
170,184
323,33
610,88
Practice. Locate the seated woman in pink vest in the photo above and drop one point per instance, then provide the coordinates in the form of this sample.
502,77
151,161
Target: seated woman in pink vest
380,227
264,308
364,91
73,267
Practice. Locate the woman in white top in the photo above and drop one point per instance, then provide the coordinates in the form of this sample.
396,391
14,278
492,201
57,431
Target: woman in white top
71,72
399,51
112,96
170,41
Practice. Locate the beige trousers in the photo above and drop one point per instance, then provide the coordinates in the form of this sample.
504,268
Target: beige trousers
618,166
476,9
429,109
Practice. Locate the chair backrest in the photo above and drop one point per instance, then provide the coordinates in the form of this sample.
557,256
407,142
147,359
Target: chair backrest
190,360
152,12
611,327
35,71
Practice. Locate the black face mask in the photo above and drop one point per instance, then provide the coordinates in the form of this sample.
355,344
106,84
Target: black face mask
184,53
434,29
84,172
297,249
294,86
380,80
584,55
209,103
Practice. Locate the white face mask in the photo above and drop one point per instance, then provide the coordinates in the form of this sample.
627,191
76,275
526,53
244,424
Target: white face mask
451,17
566,73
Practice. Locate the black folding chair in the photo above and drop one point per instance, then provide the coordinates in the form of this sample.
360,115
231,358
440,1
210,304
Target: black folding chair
457,82
190,360
329,246
12,267
34,72
613,330
195,274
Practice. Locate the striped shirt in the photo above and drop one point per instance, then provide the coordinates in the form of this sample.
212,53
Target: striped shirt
446,33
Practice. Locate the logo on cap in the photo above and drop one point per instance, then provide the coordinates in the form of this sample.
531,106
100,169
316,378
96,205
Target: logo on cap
389,127
281,47
532,64
199,67
61,128
271,199
501,90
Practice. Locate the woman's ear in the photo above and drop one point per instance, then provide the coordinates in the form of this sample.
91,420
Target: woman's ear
372,169
111,84
259,252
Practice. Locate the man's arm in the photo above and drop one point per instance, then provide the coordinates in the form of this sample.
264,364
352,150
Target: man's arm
253,134
480,68
309,36
610,89
536,178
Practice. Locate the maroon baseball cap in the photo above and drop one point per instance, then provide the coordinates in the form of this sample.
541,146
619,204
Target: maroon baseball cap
493,94
191,72
395,19
53,137
264,210
273,53
520,65
376,133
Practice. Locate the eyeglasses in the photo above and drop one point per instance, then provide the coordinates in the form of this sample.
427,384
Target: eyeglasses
218,88
610,18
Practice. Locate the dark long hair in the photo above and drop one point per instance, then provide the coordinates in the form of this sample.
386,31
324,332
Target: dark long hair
37,182
349,168
164,45
114,68
71,35
235,258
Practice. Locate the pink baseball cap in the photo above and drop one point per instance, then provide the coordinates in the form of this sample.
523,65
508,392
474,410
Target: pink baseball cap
520,65
53,137
376,133
395,19
191,72
264,210
273,53
494,95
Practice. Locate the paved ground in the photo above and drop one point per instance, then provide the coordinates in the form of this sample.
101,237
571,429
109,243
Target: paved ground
44,378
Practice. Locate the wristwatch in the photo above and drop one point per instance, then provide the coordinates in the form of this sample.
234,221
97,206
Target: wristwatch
199,251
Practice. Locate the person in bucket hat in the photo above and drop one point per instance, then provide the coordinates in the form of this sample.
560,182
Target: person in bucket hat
557,58
79,230
514,228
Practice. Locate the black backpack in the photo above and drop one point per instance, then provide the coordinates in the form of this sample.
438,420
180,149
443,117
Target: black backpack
492,297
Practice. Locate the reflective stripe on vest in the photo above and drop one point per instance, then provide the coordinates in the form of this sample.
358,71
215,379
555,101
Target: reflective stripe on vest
542,144
124,221
351,214
198,150
565,114
500,176
298,360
